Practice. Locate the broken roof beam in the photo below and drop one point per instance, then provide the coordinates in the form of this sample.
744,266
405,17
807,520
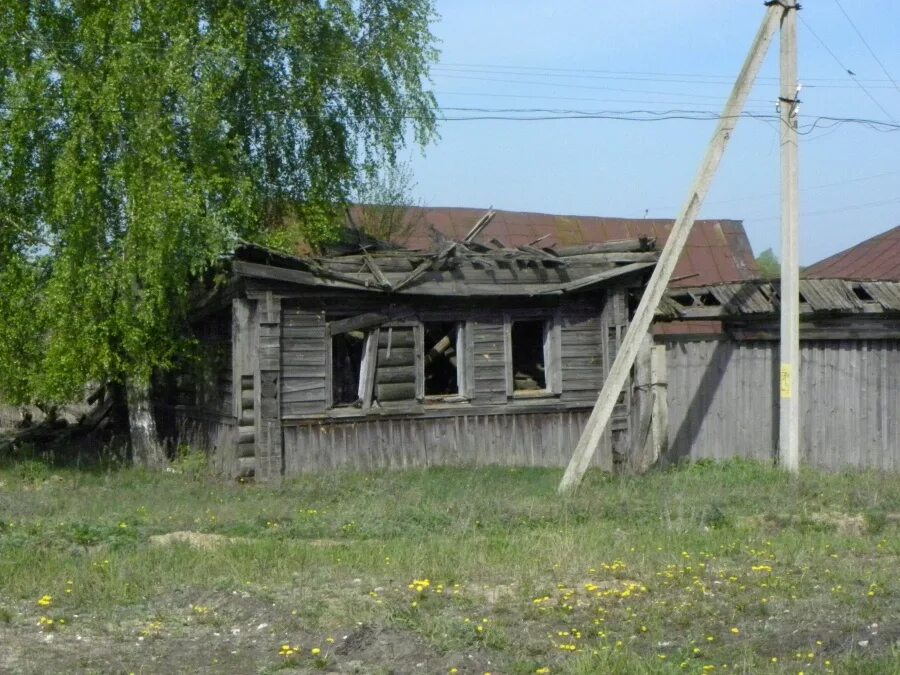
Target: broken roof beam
292,276
601,277
376,271
482,223
642,244
551,258
367,320
426,265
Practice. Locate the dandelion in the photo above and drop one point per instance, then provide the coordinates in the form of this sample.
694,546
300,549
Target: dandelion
315,651
735,631
419,585
542,671
45,600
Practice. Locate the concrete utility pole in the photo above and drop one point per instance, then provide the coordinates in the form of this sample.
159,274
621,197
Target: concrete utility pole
789,427
643,316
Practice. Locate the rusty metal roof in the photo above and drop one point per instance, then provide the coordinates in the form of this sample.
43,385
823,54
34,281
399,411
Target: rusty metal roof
875,259
717,250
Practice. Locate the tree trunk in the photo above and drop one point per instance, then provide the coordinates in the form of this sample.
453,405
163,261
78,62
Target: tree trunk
146,450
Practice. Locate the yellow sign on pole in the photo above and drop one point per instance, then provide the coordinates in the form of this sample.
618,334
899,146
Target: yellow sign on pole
786,374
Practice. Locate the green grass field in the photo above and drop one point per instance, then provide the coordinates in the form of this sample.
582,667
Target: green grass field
706,568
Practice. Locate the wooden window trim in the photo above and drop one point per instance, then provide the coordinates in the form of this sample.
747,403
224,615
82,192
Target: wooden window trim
463,358
552,354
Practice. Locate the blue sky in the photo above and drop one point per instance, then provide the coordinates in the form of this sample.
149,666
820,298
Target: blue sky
596,55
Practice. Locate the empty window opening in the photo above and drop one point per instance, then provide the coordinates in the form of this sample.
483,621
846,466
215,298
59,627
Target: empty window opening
346,362
862,294
529,372
441,358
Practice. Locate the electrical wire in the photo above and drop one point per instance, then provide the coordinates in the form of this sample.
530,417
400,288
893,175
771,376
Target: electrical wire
805,189
825,212
849,72
548,114
866,43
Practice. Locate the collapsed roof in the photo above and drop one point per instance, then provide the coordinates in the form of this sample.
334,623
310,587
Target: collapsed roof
461,268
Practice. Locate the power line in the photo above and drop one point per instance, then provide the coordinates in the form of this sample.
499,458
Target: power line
569,85
845,68
546,97
825,212
546,114
651,76
808,188
865,42
489,68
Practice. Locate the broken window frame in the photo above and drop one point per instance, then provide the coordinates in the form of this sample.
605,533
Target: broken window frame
462,346
552,346
366,395
329,370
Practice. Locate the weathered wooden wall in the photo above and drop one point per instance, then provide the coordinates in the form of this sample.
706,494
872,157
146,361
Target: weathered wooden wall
522,439
492,429
211,385
723,401
216,434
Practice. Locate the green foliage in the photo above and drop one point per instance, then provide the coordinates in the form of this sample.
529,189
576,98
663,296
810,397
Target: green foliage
141,139
769,266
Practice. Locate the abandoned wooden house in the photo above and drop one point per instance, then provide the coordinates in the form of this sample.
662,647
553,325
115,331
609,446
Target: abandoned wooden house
469,354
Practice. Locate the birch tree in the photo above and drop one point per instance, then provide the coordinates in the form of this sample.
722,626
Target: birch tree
140,138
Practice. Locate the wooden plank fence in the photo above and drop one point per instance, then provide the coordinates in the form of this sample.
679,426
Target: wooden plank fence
723,402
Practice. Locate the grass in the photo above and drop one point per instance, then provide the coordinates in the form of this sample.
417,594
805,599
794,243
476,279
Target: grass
730,567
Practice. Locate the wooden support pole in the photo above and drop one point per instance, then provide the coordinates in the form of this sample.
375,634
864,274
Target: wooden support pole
789,409
659,430
640,324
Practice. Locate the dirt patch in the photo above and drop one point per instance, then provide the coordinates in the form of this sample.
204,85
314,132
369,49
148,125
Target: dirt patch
199,540
217,632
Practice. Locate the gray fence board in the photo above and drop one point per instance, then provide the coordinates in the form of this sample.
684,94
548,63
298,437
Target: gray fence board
723,402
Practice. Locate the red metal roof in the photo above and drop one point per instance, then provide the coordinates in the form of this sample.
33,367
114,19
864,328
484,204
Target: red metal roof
875,259
716,251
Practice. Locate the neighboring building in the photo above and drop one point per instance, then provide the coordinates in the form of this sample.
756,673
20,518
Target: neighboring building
875,259
723,392
717,251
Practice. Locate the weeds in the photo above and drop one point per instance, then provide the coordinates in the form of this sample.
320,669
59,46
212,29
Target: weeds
700,566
